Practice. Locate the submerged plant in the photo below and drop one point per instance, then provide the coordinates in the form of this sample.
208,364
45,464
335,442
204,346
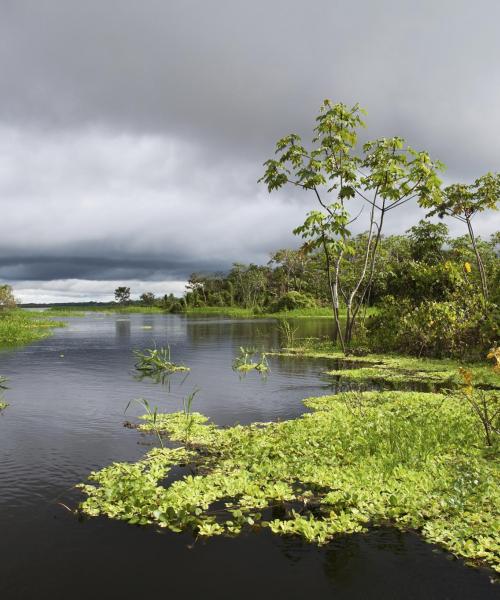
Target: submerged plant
244,361
156,360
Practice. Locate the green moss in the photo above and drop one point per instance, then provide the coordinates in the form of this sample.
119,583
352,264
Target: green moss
21,327
415,460
3,405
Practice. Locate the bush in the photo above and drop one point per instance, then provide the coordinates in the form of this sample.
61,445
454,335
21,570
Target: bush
455,328
292,301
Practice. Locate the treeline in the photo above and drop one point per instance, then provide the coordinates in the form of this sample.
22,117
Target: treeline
424,263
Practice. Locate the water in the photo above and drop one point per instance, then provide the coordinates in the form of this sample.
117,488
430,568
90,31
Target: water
67,397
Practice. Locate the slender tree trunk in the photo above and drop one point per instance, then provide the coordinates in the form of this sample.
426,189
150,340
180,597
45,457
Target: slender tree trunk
333,287
480,265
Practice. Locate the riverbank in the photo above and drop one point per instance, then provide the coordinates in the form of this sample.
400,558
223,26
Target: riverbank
233,312
20,326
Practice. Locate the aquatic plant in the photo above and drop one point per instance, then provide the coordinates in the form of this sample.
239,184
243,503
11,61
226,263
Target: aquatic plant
416,460
156,360
244,361
152,415
287,333
3,386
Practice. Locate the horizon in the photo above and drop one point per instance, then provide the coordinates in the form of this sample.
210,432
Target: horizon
134,160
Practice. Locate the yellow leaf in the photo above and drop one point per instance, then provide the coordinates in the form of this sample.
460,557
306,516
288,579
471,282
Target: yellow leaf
468,267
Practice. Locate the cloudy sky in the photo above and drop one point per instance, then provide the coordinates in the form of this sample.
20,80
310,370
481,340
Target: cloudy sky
132,132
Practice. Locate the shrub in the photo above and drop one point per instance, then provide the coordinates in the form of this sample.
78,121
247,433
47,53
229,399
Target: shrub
291,301
455,328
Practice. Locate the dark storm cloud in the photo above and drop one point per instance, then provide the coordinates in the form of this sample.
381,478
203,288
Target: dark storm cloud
134,131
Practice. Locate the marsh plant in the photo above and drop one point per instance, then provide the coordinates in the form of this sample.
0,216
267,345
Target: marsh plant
287,333
250,359
152,414
156,360
187,404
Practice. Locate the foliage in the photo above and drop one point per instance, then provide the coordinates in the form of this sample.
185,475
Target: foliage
358,460
484,404
244,361
287,333
463,202
385,173
122,294
148,298
156,360
7,300
291,301
456,327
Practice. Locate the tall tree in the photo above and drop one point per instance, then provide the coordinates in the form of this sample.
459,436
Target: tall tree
122,294
463,202
384,174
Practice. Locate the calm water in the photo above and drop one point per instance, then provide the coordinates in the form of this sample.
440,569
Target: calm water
67,397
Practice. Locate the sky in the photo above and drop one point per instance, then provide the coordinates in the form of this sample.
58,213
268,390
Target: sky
133,132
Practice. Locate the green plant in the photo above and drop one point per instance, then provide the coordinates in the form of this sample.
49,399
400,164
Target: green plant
152,414
355,461
287,333
484,404
187,403
244,362
384,173
156,360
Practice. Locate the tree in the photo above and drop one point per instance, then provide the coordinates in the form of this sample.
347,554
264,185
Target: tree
122,294
148,298
7,299
462,202
385,175
427,240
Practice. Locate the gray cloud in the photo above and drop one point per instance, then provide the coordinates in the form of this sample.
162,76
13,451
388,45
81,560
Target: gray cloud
132,133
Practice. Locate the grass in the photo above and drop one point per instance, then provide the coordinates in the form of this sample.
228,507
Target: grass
22,327
414,460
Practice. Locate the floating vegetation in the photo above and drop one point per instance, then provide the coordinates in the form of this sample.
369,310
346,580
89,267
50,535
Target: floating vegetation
153,361
395,370
360,459
244,361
